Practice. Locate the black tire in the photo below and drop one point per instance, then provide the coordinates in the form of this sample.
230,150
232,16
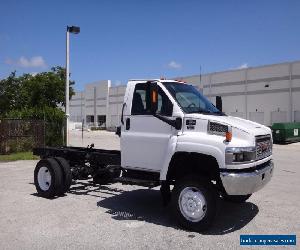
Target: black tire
205,188
236,198
54,185
67,175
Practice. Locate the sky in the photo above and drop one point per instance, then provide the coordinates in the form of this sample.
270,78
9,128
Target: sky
121,40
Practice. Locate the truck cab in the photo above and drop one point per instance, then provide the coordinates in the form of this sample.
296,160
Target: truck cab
169,129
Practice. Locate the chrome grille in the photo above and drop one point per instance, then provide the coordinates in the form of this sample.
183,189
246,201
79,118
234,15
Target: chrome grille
263,146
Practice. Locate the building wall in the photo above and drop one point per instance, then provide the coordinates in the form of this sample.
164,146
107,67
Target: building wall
265,94
116,98
92,102
77,110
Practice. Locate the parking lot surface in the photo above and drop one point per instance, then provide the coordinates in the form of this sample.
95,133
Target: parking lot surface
130,217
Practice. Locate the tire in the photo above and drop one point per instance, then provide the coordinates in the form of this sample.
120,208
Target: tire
48,178
186,190
236,198
67,175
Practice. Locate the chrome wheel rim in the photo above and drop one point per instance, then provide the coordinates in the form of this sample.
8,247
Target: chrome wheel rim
44,178
192,204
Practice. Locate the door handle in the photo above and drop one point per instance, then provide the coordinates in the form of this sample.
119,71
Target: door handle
122,115
127,123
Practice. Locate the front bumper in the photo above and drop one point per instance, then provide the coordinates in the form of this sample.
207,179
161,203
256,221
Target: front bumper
246,181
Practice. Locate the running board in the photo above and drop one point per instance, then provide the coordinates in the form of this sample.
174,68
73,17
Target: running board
138,182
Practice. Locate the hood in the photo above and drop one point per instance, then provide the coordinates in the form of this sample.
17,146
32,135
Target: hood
247,126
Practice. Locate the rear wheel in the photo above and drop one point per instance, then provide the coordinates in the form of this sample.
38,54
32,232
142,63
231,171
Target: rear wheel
236,198
48,178
194,203
67,175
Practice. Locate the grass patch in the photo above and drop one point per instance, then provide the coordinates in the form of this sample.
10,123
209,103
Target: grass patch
19,156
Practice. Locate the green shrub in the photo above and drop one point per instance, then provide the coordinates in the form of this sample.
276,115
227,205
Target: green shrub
20,144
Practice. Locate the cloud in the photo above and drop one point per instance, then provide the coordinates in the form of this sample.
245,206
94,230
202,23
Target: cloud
33,62
243,66
174,65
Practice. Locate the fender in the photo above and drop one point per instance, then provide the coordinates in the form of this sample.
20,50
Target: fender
192,147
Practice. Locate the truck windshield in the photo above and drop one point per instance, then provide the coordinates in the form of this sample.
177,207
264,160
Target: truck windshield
190,99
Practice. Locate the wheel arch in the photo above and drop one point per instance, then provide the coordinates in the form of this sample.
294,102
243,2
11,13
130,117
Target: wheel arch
209,153
192,163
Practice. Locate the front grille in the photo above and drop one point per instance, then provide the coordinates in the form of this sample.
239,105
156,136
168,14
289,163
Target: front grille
263,146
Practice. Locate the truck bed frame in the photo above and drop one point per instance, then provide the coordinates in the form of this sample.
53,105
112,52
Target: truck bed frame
104,166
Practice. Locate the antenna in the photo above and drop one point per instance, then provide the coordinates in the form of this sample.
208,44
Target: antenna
200,74
200,78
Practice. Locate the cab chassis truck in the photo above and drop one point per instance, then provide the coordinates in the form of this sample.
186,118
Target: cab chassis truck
170,136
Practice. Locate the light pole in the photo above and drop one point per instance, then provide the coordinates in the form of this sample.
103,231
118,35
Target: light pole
74,30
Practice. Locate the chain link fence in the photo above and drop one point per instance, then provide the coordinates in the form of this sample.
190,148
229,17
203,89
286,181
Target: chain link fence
17,135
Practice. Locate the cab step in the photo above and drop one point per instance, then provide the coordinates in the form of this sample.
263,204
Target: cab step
138,182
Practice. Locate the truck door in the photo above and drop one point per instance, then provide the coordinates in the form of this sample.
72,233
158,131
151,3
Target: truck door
144,138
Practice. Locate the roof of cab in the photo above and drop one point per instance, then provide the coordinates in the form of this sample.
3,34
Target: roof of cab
152,80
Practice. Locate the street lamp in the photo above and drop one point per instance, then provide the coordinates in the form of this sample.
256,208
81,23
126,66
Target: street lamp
74,30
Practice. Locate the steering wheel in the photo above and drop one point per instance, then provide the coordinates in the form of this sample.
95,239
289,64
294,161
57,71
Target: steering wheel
192,105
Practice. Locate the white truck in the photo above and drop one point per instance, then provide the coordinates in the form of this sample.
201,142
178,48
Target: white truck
173,137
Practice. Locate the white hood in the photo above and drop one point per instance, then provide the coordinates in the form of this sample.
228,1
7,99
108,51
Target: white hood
236,122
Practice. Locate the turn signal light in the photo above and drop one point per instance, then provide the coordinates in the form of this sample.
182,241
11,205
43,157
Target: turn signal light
228,136
154,96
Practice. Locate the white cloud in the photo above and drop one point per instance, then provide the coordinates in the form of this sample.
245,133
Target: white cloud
243,66
174,65
33,62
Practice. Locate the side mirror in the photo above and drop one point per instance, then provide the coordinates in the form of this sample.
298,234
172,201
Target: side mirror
178,123
153,97
219,103
118,132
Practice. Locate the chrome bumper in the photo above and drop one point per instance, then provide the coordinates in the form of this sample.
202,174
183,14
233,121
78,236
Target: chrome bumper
243,183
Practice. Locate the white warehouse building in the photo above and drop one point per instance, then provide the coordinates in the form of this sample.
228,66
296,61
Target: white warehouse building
265,94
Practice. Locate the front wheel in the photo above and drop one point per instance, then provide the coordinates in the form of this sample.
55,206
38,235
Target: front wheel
194,203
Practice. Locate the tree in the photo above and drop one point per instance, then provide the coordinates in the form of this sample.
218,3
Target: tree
39,97
46,89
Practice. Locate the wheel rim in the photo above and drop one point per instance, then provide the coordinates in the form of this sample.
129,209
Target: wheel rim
192,204
44,178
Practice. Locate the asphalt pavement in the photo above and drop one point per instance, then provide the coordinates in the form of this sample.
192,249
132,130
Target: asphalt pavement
130,217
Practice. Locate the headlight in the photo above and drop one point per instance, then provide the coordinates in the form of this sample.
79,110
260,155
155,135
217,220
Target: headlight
240,155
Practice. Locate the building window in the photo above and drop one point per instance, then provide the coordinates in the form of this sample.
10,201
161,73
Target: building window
101,120
89,118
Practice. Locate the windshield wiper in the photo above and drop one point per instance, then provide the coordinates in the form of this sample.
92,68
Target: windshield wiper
219,113
201,111
206,111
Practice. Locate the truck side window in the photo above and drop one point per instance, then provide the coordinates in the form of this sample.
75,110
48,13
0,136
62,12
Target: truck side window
141,101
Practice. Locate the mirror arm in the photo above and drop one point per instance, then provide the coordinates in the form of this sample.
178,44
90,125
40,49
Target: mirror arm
171,122
165,119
